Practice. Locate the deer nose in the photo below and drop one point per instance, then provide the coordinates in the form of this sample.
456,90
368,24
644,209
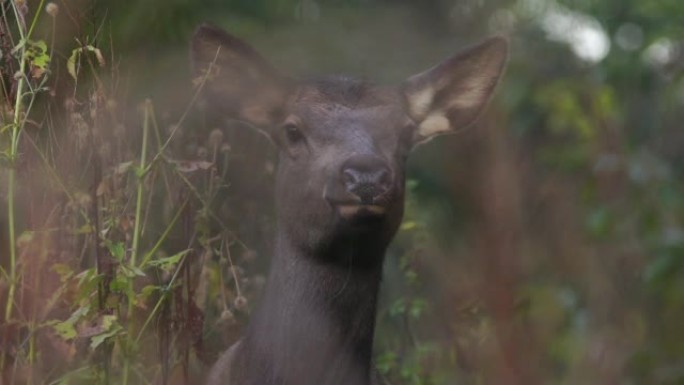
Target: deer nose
367,177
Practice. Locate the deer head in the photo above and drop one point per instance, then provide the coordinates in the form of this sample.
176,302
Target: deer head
343,142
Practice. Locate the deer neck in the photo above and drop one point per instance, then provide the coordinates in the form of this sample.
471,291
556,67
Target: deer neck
316,321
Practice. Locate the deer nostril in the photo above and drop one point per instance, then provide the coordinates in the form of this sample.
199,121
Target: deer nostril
366,177
349,177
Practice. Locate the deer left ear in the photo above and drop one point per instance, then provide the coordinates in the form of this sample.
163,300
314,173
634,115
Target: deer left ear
451,95
238,80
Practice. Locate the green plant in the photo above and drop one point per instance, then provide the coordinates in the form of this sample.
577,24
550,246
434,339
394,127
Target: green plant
32,56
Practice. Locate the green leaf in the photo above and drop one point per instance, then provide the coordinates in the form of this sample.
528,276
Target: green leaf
87,277
136,270
119,284
71,62
168,263
122,168
417,308
110,327
79,313
386,362
65,329
131,271
411,276
25,237
85,229
63,270
663,268
147,291
408,225
40,45
397,308
117,249
108,321
600,223
76,55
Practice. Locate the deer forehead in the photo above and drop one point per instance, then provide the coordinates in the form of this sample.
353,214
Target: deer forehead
345,124
345,91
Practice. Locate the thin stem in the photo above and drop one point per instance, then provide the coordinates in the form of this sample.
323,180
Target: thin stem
35,18
140,175
187,110
232,270
14,145
163,237
162,298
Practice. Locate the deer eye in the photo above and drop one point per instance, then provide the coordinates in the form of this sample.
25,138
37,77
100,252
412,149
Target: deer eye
293,133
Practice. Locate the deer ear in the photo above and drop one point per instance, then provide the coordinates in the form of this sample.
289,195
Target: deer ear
241,83
451,95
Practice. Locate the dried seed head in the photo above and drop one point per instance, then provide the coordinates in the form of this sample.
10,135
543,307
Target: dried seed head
52,9
258,282
249,256
240,303
215,137
21,6
225,148
82,199
228,316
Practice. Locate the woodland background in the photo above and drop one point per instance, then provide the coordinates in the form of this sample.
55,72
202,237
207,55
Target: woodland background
543,246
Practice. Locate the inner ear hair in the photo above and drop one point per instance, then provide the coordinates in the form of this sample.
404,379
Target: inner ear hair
450,96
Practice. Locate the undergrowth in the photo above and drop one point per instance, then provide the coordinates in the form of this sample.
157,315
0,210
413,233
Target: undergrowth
113,252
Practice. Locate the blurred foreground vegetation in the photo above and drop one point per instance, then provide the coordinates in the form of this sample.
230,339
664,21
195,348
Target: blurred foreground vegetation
544,246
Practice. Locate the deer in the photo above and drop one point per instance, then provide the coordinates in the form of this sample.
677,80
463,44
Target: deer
342,147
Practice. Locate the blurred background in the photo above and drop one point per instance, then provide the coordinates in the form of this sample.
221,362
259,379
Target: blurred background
542,246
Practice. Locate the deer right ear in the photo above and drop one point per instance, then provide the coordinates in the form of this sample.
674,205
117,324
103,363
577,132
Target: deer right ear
451,95
239,81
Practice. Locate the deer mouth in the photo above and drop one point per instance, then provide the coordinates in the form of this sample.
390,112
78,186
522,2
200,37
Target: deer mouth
355,210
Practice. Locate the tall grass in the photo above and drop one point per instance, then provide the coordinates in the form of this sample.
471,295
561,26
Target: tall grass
22,107
102,236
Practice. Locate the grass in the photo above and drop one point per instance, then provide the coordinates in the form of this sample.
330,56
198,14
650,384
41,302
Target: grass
86,271
17,127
